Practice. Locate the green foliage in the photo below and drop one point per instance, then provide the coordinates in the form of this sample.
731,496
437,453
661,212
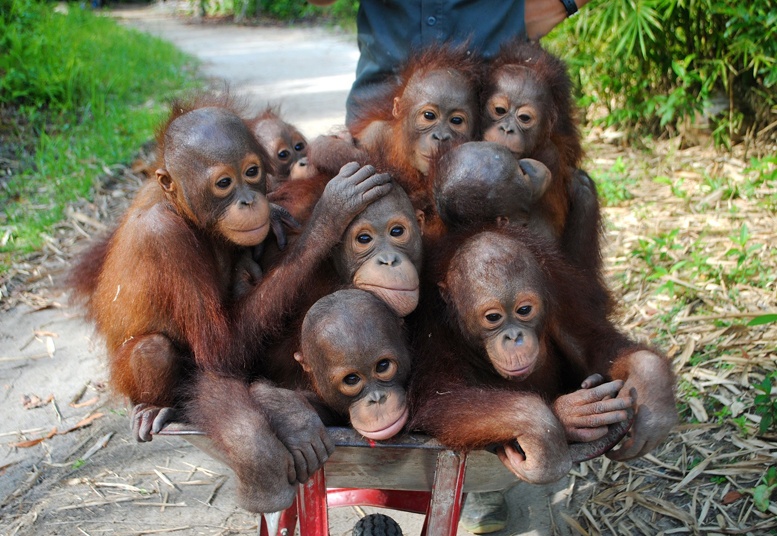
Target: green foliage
655,65
676,186
765,180
76,61
343,11
657,252
685,391
762,493
613,185
90,92
763,319
668,258
742,425
749,268
242,9
287,9
742,252
765,403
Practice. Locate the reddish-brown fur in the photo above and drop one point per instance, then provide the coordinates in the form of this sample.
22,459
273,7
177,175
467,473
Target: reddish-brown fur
262,315
327,154
166,271
299,198
162,292
285,145
457,396
140,281
570,206
575,328
561,129
559,145
390,257
393,146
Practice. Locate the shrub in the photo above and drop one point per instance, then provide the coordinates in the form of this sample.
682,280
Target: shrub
654,65
78,93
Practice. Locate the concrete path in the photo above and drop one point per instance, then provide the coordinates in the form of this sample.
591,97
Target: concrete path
67,484
307,71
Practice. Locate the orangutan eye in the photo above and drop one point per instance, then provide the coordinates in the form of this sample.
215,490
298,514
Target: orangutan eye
397,231
500,111
364,238
224,183
524,311
253,171
352,379
457,120
284,154
430,116
382,366
493,317
525,118
299,147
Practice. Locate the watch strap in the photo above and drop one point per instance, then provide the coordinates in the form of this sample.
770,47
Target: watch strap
570,6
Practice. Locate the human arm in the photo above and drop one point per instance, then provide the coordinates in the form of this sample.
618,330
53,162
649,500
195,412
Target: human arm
541,16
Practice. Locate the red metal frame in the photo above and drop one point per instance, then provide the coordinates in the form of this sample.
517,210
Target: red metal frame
416,502
442,505
431,483
439,494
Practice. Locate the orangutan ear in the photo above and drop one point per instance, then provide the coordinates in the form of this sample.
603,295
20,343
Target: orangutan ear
420,217
444,292
165,180
301,360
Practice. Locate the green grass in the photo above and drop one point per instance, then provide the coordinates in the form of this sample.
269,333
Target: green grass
766,178
89,93
613,184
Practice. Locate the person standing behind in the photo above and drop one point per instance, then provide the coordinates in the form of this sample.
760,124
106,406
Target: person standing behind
388,30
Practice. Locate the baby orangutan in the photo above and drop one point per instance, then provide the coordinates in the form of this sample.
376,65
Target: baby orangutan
520,330
354,352
479,182
285,145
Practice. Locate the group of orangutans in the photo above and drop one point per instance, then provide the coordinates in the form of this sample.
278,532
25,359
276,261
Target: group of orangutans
263,288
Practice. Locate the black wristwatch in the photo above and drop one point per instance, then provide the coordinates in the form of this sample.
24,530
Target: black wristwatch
570,6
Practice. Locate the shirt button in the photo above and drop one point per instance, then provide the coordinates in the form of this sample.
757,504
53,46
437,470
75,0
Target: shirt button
431,21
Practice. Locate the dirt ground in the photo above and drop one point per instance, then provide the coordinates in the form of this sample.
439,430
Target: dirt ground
68,464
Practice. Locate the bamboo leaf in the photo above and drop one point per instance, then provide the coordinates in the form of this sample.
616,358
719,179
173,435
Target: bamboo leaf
763,319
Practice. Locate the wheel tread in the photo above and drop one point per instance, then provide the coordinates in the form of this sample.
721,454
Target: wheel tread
377,525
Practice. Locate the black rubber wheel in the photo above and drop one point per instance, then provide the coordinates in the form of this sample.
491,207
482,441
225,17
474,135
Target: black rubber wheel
377,525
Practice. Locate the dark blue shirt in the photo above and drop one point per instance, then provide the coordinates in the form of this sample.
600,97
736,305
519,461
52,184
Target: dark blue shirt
388,30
